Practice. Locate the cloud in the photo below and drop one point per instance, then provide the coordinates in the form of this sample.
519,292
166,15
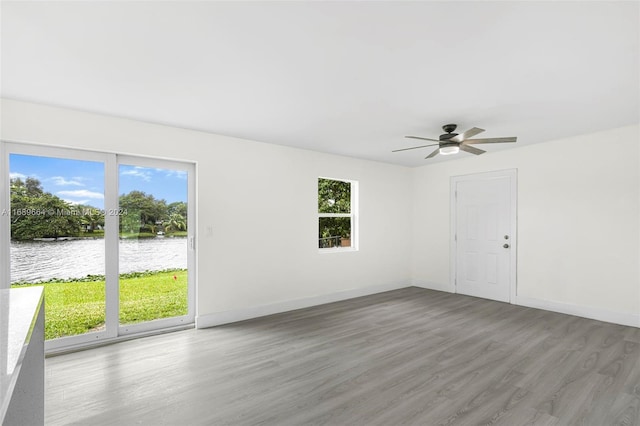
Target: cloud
61,181
139,172
81,193
16,175
180,174
76,202
147,174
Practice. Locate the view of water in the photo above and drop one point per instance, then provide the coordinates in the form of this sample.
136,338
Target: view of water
41,260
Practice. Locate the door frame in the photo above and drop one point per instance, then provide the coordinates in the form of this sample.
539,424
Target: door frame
109,332
113,330
512,175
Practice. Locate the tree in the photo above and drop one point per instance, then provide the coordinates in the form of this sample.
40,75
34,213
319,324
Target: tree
142,211
17,187
131,220
179,207
34,188
39,214
91,218
334,196
175,222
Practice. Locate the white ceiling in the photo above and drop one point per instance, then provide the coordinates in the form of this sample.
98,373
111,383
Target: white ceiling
349,78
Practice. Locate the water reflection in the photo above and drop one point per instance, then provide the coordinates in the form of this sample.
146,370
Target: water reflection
42,260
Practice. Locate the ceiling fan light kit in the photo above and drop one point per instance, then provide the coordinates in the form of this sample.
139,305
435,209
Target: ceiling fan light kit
448,150
451,143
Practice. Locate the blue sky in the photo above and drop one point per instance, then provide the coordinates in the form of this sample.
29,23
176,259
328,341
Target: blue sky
82,182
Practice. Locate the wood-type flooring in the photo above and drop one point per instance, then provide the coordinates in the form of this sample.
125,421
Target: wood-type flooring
404,357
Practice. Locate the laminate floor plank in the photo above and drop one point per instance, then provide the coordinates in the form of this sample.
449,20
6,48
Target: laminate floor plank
405,357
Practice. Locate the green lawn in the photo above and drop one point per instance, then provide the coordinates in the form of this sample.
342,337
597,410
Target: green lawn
134,235
76,307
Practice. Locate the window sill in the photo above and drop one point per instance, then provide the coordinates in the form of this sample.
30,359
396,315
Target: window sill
337,250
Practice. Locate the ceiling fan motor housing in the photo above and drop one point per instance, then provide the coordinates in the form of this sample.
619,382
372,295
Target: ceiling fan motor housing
449,128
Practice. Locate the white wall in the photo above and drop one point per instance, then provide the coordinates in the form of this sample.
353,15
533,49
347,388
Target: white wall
578,216
578,222
261,201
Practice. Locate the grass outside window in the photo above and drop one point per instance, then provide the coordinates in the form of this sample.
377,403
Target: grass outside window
75,307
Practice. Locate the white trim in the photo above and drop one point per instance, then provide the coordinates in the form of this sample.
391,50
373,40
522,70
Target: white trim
111,247
5,218
76,341
157,324
226,317
54,351
336,250
192,255
622,318
512,174
430,285
50,151
354,215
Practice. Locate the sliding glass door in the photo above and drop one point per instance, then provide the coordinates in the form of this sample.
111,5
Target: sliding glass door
154,258
109,237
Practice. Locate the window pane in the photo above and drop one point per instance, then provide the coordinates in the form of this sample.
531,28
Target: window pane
334,232
153,243
334,196
57,239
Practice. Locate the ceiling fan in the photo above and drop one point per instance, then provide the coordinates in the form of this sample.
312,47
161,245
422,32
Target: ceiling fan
451,143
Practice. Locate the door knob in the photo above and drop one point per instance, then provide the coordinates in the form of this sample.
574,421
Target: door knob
506,246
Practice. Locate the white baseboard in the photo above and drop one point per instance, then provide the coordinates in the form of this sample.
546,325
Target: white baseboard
433,286
226,317
622,318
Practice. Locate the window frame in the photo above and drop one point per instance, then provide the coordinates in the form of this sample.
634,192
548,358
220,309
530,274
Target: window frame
113,331
353,214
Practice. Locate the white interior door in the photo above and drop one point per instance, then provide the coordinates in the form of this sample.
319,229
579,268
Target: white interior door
484,235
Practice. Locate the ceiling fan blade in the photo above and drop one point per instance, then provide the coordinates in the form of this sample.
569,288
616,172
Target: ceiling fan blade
413,147
471,132
491,140
471,149
433,154
424,139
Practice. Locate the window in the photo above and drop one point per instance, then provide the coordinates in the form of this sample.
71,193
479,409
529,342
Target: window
337,210
112,231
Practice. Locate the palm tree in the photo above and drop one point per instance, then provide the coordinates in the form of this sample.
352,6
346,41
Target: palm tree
91,218
176,222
